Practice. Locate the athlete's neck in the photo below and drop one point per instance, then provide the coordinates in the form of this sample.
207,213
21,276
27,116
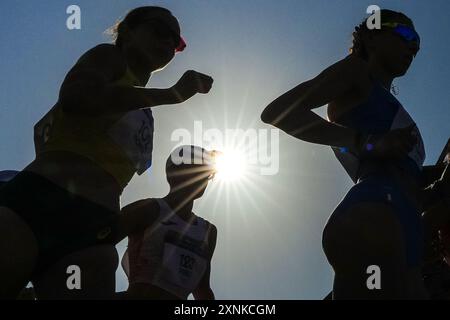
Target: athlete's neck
379,73
138,64
181,205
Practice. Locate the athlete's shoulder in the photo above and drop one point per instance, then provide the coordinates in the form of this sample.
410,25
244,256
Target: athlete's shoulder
212,231
138,216
347,74
102,52
201,219
148,204
106,58
352,66
147,211
212,228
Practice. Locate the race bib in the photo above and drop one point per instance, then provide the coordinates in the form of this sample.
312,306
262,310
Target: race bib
133,133
183,263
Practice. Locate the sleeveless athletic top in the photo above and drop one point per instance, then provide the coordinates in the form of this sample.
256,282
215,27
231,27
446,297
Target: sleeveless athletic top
171,255
381,113
120,143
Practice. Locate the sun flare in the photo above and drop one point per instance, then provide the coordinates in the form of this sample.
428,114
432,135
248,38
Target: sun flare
230,165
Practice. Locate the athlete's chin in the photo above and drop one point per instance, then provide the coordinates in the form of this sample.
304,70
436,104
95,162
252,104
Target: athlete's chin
156,62
199,194
401,69
160,65
399,72
161,57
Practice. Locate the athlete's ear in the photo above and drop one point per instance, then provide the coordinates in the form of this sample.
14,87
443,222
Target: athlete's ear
125,34
368,39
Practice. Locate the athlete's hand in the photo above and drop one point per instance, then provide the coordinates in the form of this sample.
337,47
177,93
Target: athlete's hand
191,83
395,144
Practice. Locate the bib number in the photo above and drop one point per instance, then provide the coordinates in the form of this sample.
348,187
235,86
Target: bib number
182,267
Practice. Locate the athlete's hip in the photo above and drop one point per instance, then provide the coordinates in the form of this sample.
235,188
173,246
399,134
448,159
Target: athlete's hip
80,176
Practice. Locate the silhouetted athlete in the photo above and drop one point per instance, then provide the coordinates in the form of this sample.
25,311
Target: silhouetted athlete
170,248
62,209
377,142
436,268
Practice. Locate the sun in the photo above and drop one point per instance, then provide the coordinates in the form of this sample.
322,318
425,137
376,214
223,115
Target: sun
230,165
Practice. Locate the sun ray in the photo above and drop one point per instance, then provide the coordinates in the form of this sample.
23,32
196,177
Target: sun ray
220,188
191,181
257,209
230,165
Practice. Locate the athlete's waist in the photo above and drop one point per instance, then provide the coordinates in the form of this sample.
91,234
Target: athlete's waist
106,157
402,170
391,175
79,175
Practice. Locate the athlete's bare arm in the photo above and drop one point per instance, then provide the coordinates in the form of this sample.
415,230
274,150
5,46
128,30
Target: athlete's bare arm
292,112
136,217
89,88
204,291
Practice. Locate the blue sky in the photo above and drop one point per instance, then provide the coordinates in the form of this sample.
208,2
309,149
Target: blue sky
269,243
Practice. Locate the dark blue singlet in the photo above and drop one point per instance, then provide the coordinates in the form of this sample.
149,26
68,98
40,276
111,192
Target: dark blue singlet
381,113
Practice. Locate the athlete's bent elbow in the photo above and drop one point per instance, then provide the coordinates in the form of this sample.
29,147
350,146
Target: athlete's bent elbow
264,118
267,116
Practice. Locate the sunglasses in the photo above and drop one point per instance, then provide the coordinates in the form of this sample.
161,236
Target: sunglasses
406,32
163,31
